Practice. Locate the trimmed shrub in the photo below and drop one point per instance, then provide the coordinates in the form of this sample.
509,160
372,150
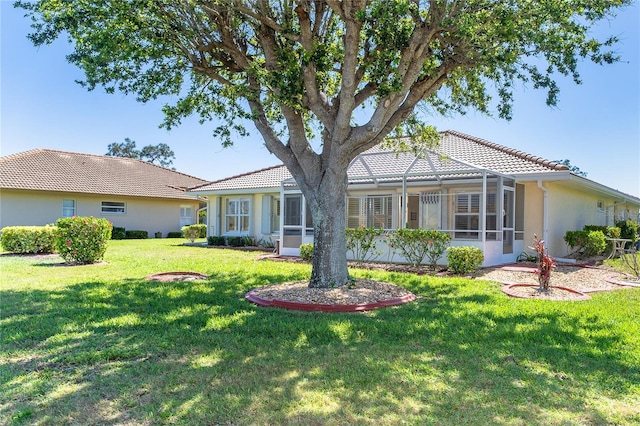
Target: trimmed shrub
608,231
216,240
628,230
613,232
595,243
464,260
82,239
28,239
235,241
590,243
174,234
306,252
576,240
136,234
118,233
416,244
361,242
191,232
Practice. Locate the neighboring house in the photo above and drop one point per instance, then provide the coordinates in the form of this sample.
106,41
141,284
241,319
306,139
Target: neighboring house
483,194
37,187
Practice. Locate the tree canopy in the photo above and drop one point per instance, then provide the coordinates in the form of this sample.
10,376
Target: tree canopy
161,153
323,81
572,168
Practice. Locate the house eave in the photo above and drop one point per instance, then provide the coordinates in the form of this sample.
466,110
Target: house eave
572,180
242,191
605,190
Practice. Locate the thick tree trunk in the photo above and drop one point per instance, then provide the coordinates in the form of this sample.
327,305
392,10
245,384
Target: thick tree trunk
328,207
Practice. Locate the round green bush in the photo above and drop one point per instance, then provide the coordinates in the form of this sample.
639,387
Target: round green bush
464,260
306,251
595,243
82,239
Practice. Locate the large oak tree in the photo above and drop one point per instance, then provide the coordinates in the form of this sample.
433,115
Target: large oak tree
161,153
323,81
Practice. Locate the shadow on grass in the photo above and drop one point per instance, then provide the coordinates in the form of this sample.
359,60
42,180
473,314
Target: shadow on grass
196,352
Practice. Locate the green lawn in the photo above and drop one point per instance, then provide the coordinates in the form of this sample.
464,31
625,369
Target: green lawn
98,344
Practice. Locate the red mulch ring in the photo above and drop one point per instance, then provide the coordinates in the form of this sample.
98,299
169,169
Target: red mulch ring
364,295
532,291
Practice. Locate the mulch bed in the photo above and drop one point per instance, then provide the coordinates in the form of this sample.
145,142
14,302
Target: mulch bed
176,276
532,291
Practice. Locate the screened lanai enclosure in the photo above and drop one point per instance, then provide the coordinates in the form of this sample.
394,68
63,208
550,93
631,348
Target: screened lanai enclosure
475,206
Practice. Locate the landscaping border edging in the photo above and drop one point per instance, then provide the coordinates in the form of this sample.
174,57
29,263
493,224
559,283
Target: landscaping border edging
506,288
312,307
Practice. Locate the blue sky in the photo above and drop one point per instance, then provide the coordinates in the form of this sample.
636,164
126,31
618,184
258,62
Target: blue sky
596,125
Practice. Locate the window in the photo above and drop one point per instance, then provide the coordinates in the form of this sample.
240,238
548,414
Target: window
275,215
237,215
373,211
186,215
68,208
466,215
431,209
270,214
113,207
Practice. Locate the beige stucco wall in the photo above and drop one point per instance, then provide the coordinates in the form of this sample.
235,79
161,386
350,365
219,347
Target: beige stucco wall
40,208
216,205
533,212
569,209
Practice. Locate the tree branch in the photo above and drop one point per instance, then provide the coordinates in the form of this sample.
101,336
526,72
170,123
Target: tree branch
349,67
312,96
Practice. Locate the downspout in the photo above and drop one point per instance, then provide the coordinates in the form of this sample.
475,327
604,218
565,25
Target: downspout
545,211
483,211
217,224
205,199
403,220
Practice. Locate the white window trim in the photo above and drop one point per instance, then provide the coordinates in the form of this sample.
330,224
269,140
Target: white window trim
468,214
114,205
364,216
74,208
190,217
238,215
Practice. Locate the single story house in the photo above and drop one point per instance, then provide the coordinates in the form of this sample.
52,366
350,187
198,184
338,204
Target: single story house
481,193
39,186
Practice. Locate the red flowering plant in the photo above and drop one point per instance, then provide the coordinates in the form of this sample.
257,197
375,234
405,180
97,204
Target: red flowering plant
546,264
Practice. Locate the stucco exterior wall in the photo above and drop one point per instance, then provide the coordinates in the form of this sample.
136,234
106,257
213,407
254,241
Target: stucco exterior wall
217,224
570,210
40,208
533,212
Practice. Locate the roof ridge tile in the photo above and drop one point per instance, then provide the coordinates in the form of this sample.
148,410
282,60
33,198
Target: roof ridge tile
511,151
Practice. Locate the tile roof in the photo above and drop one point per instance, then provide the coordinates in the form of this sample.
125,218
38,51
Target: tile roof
49,170
493,156
457,153
270,177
